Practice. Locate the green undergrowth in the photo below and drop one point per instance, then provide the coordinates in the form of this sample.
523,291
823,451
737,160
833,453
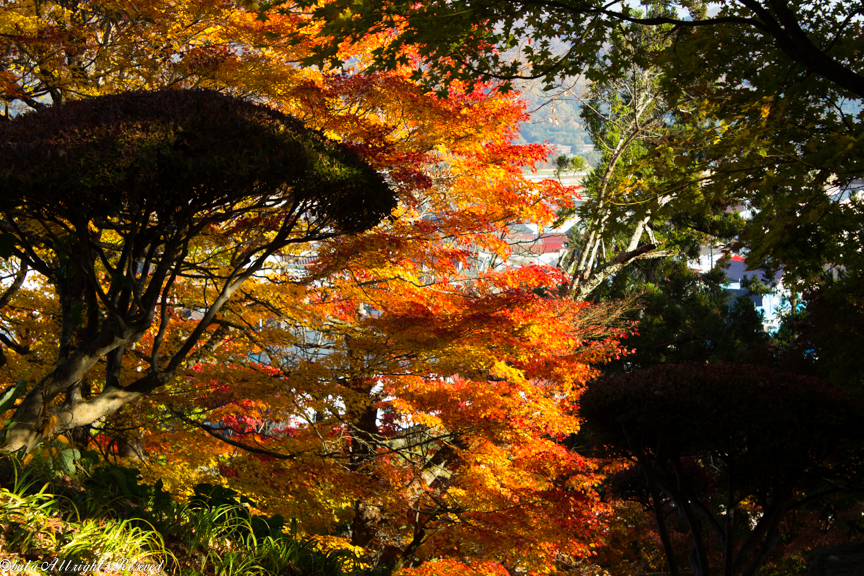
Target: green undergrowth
107,515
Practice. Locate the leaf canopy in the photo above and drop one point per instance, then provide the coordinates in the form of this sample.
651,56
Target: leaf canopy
196,152
761,415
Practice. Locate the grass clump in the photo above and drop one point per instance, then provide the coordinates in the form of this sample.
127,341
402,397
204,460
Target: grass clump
105,514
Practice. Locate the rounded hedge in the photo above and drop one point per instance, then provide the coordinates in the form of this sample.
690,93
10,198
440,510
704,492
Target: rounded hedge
181,151
763,415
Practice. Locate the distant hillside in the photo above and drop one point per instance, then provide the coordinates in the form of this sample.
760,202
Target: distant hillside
555,119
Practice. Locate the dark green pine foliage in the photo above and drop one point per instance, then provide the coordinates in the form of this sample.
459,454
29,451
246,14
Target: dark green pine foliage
685,316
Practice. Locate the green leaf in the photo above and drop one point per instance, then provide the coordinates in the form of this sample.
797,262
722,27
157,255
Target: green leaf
8,399
67,460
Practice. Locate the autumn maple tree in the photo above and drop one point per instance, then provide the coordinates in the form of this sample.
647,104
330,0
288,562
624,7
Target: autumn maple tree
381,387
417,398
59,51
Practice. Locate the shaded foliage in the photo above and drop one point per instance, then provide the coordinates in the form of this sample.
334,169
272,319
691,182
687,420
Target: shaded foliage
824,336
730,448
687,316
175,153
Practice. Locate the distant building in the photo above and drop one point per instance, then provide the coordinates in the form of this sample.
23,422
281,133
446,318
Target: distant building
528,247
769,305
844,194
